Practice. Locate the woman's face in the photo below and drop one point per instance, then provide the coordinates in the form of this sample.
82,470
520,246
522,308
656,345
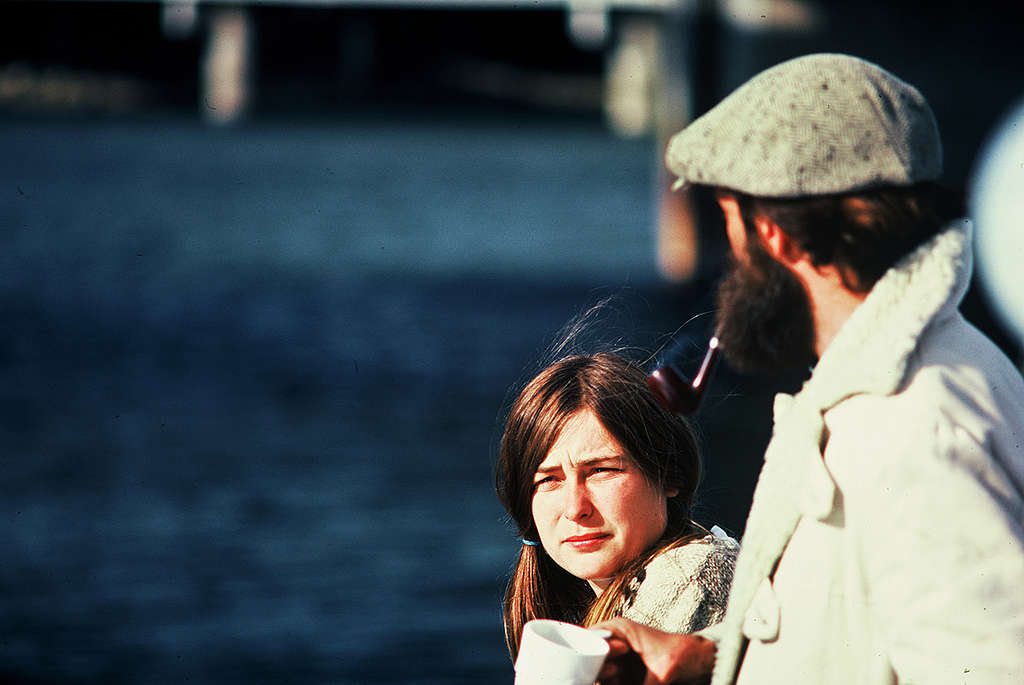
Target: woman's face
593,507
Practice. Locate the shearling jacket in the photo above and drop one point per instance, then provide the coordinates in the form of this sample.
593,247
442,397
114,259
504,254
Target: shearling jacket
684,589
885,541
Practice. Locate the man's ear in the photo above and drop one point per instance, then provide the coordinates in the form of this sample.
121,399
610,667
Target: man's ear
785,250
777,242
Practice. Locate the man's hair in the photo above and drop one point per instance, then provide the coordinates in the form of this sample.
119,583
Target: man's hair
863,233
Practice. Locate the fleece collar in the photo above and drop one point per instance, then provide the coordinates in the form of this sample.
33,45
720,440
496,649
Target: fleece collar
871,352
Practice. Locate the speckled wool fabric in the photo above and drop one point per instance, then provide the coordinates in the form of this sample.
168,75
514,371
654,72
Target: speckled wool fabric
815,125
684,589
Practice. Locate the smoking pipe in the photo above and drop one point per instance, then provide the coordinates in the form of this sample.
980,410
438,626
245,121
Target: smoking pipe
676,393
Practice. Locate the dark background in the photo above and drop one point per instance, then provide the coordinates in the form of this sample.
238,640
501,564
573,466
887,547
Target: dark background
253,375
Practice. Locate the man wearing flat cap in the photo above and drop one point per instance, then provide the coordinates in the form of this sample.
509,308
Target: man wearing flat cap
885,541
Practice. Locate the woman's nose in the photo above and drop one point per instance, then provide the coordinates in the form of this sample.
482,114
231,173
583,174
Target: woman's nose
577,501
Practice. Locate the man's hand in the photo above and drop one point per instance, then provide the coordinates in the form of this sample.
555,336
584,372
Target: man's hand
667,657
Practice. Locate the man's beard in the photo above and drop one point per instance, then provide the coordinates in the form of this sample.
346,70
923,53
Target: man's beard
764,316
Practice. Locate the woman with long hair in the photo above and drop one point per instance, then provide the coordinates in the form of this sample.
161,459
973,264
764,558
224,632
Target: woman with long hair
600,480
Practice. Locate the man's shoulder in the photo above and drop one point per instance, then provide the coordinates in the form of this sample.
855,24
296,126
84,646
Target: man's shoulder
953,344
960,408
956,376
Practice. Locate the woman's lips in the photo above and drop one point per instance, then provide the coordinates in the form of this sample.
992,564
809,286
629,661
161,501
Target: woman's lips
587,542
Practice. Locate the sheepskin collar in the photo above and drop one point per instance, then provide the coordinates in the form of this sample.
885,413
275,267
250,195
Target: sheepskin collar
871,352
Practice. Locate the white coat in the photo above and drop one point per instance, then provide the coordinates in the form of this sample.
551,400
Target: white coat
885,541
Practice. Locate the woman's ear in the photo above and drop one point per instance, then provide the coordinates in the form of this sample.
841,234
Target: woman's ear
671,492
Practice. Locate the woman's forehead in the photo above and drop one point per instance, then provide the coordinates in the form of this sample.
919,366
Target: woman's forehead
583,438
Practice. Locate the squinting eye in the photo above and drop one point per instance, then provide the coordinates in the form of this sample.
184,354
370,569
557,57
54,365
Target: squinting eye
544,481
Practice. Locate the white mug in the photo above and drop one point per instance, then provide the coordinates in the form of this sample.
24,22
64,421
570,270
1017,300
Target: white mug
557,653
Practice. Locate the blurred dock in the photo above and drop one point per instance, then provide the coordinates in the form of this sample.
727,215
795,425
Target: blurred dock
646,87
644,67
642,72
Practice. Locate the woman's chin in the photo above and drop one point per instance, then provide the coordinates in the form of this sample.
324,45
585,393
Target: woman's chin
596,575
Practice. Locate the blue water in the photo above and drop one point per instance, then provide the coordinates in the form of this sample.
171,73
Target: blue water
252,382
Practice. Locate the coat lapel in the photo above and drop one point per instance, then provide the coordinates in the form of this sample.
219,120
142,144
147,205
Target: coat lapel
774,513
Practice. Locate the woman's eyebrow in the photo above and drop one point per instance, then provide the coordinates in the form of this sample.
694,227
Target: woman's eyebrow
607,457
589,461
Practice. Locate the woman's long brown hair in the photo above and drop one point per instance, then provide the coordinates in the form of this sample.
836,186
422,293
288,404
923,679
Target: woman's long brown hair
659,442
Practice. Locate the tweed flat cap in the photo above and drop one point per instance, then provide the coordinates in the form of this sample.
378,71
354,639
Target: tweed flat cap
815,125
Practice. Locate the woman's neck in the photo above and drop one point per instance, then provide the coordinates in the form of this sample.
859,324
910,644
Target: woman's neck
600,585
